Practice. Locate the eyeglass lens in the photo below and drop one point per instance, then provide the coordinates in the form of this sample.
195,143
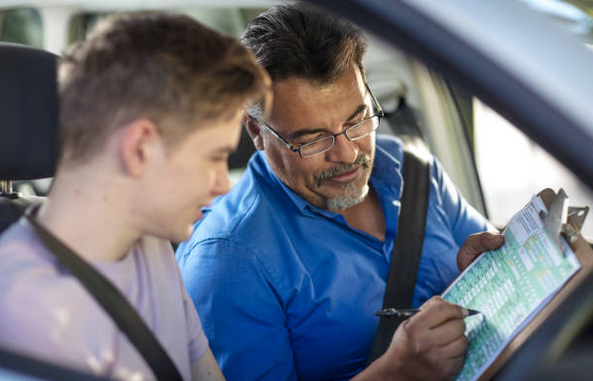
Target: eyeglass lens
358,131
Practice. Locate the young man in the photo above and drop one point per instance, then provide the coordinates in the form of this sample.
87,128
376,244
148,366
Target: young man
288,269
151,106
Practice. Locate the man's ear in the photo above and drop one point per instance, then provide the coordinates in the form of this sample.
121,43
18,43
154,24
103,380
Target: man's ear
139,142
254,131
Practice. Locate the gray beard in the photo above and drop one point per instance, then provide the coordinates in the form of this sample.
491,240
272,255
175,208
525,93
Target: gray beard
351,196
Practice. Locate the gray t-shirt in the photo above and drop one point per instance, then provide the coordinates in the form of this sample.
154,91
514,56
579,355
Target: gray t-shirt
46,313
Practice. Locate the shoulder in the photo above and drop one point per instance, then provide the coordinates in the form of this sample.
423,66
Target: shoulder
256,205
390,144
156,255
246,234
36,297
391,148
154,262
23,255
155,250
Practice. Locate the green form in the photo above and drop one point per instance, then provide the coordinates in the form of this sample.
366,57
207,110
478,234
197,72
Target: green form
509,286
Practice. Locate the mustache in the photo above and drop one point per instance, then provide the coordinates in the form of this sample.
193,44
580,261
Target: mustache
363,160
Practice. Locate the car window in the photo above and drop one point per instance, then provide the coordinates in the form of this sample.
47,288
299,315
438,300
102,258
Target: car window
513,167
231,20
22,26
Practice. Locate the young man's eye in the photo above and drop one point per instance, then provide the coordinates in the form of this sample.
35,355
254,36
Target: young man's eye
218,159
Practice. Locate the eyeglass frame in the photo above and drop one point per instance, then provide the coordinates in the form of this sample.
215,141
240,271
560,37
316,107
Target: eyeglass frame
380,113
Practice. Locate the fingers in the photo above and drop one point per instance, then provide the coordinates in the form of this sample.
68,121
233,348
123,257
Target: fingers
437,311
449,359
452,357
455,348
478,243
475,245
453,367
431,345
430,353
449,332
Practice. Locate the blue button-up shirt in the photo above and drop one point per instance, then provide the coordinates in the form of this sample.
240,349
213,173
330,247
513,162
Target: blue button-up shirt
288,291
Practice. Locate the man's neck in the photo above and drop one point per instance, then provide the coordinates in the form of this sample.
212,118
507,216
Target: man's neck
90,217
367,216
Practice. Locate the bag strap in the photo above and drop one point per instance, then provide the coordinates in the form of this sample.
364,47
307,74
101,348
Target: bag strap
114,303
407,249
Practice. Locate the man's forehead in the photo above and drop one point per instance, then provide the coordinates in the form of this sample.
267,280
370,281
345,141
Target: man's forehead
350,77
301,100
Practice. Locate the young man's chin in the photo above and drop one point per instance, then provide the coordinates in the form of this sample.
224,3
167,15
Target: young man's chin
178,238
176,234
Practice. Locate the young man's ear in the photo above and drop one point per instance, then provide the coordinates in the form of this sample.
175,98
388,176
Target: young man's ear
254,131
138,145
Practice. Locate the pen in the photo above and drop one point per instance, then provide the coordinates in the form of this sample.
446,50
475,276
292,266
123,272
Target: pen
407,312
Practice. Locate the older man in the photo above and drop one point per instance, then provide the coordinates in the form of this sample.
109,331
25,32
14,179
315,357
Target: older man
289,267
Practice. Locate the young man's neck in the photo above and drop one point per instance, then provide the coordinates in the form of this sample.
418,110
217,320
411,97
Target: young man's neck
89,214
367,216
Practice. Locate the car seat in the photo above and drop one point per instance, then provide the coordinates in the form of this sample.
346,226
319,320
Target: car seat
28,150
28,124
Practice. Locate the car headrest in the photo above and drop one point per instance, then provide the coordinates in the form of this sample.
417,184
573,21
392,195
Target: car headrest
28,113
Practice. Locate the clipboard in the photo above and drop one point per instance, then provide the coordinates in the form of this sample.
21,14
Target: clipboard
569,228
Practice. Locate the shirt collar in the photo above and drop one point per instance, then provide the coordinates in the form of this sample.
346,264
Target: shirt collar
303,206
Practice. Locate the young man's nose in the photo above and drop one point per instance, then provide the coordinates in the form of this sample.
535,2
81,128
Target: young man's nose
222,182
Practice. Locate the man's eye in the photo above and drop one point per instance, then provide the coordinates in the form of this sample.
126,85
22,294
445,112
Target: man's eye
361,119
310,138
364,116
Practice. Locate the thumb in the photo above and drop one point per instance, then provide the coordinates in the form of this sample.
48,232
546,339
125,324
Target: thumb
475,245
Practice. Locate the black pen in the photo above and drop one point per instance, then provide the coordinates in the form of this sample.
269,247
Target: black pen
407,312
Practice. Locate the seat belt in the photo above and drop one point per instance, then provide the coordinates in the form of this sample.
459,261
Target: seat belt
407,248
114,303
25,367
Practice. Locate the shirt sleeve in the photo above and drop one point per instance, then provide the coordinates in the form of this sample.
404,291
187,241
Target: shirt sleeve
463,218
241,311
450,220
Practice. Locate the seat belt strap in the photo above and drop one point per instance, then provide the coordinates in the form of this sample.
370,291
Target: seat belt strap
407,249
114,303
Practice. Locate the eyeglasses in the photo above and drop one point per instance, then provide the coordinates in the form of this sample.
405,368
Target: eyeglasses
318,146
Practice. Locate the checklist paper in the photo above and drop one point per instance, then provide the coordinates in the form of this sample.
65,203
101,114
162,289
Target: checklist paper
509,286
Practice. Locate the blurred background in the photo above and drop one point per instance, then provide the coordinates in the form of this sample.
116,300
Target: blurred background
495,165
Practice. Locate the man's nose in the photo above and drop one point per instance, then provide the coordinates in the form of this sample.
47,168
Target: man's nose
343,151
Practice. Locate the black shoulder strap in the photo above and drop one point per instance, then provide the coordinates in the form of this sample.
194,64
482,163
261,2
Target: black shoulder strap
407,249
115,304
30,368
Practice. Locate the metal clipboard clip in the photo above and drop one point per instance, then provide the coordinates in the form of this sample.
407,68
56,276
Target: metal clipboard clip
564,221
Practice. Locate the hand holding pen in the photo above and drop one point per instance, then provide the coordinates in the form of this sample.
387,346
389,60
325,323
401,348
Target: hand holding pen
408,312
430,345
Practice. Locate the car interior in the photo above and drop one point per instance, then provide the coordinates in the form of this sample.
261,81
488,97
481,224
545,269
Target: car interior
28,150
29,114
420,107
